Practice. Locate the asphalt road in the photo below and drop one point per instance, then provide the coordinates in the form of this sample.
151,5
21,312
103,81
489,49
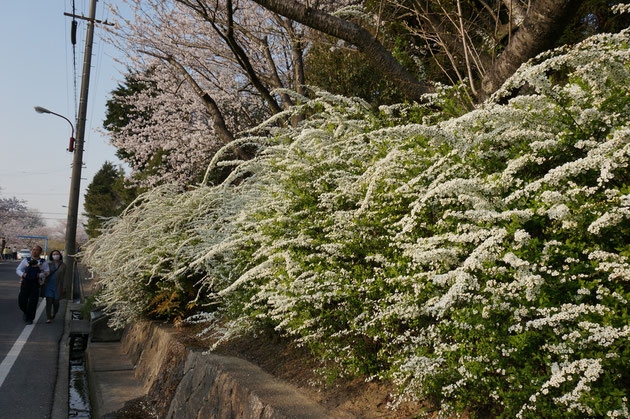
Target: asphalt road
27,390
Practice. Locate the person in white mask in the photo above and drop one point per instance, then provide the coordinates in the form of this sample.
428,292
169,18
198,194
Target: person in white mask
52,289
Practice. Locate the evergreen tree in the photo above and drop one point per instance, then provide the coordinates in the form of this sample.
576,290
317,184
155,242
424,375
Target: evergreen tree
107,196
119,113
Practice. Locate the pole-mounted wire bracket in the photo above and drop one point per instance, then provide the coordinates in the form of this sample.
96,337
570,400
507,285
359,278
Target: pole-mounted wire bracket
103,22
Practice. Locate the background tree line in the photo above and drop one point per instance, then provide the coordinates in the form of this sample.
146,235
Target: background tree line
17,219
106,197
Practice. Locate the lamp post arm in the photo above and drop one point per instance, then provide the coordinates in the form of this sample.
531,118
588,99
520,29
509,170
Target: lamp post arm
61,116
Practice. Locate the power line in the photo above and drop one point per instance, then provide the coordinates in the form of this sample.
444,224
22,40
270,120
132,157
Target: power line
5,216
36,193
23,173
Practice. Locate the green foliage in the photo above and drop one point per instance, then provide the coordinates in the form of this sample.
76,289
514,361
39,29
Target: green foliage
106,197
346,72
119,113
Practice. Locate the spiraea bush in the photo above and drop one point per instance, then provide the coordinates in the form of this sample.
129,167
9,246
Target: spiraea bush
481,261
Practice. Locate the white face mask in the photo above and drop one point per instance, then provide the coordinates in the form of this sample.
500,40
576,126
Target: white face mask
55,257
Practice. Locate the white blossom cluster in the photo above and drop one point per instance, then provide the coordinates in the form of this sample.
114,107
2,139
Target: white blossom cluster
484,257
621,8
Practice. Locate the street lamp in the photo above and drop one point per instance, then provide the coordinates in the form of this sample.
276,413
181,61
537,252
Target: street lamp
39,109
73,203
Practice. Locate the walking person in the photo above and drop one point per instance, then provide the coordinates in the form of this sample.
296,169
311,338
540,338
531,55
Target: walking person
53,285
32,272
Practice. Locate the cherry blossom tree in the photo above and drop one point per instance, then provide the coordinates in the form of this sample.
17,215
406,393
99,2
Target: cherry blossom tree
170,136
210,82
16,219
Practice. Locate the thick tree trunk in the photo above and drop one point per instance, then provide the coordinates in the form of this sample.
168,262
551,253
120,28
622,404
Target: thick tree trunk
378,56
544,22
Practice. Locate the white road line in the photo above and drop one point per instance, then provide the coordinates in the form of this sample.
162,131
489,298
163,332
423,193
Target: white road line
9,360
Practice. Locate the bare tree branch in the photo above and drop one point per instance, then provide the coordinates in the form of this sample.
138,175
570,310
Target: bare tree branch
471,80
297,55
518,12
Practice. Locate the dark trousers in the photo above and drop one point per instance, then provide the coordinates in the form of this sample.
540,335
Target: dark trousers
27,300
52,307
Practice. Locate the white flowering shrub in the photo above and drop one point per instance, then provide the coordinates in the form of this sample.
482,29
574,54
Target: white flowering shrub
480,261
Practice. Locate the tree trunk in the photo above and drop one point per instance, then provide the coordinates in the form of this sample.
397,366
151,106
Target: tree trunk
543,24
297,55
297,52
273,70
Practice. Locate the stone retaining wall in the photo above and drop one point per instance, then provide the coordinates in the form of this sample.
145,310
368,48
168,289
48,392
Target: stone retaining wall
183,382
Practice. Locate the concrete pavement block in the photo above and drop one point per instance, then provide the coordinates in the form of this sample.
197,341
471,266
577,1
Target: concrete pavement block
108,356
101,332
79,327
111,377
75,306
112,389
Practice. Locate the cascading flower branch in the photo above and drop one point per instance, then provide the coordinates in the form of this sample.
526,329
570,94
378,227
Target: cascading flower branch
482,261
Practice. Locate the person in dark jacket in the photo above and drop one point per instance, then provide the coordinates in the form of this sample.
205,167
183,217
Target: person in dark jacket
32,272
53,289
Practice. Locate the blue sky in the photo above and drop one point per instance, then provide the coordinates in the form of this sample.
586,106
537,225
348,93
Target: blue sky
36,69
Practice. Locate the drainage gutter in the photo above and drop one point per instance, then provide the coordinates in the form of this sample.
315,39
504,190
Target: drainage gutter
60,396
75,329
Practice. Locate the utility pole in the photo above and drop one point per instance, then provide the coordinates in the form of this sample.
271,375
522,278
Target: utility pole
77,161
